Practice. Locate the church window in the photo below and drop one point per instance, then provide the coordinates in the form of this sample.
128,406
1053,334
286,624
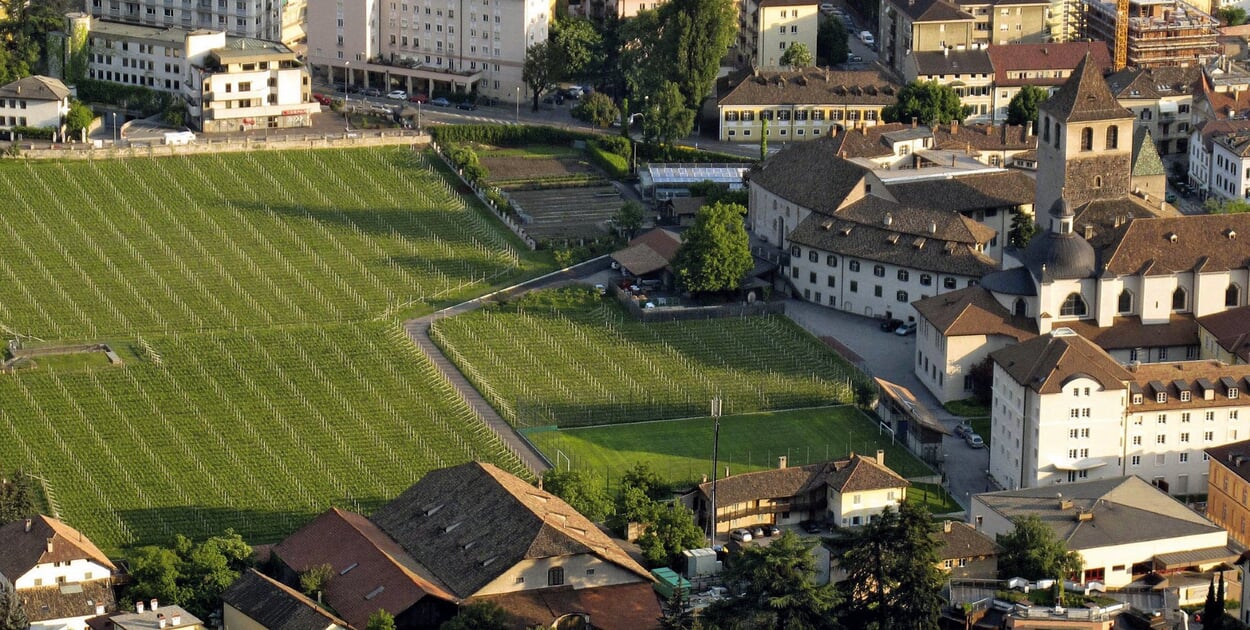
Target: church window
1113,137
1073,306
1087,139
1232,295
1125,302
1179,299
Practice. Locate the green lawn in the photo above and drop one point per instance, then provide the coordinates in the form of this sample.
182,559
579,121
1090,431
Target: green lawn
256,299
681,450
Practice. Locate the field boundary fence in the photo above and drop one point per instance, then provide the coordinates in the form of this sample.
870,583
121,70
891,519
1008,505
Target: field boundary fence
39,150
517,228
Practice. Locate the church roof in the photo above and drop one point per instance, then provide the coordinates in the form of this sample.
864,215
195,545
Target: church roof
1146,160
1085,97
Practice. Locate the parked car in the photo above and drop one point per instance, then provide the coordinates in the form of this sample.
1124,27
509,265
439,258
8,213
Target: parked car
811,527
372,92
1170,198
866,37
974,440
854,58
961,430
906,329
772,530
467,106
740,535
890,325
441,102
757,532
397,95
419,98
826,7
322,98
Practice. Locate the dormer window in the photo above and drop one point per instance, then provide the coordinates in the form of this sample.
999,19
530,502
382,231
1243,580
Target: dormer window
1161,397
1185,396
1232,392
1137,399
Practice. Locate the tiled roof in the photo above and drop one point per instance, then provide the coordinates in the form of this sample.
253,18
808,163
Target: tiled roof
276,606
1234,456
984,137
965,193
67,600
1199,243
1231,330
774,483
1209,130
152,619
618,607
1045,363
35,88
973,311
862,474
865,142
1146,160
808,86
962,541
1220,102
1236,142
1129,332
936,63
469,523
49,540
1085,97
1125,510
1016,58
649,252
1109,218
371,570
1154,83
809,175
1191,376
930,10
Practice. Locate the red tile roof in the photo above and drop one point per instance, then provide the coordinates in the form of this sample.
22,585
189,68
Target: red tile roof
619,607
1014,58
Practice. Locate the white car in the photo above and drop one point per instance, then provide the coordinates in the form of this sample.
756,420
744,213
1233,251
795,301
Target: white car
867,38
740,535
827,7
398,95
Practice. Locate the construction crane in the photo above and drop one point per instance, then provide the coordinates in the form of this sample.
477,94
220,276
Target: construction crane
1121,34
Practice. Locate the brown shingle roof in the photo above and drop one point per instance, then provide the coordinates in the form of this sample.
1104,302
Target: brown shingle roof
67,600
37,87
1045,363
1130,332
808,174
618,607
1235,457
984,137
1174,375
1085,97
1201,243
1231,330
1108,218
49,540
1045,58
973,311
930,10
808,86
364,560
1154,83
963,541
968,192
469,523
861,474
775,483
937,63
276,606
651,251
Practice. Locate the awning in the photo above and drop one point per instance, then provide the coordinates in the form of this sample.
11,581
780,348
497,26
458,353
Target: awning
1196,557
1168,107
1088,463
904,399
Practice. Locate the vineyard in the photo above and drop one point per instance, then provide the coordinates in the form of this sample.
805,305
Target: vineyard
262,294
584,363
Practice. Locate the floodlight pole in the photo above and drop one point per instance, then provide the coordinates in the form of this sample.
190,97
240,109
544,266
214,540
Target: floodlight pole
716,409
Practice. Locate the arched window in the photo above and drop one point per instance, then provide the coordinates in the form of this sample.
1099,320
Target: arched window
1125,303
1232,295
1179,299
1087,139
1098,181
1073,306
1046,129
1056,135
1113,137
1019,307
555,576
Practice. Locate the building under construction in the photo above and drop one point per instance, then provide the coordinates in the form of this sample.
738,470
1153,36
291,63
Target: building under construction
1159,33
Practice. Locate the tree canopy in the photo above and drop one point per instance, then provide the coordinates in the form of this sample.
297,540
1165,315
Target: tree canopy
695,35
831,41
670,530
540,71
774,587
892,575
478,616
596,109
190,575
584,491
1022,109
928,102
668,117
1032,551
797,55
17,497
1232,16
380,620
1217,205
576,47
715,254
12,614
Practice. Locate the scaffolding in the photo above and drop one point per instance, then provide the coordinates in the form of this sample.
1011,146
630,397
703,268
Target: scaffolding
1160,32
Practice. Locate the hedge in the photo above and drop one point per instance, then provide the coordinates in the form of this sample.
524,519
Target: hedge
506,135
34,133
614,165
133,97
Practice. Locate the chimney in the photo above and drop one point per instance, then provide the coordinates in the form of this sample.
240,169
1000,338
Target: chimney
946,527
139,607
781,461
49,545
1089,231
989,129
954,127
933,227
99,609
1029,129
833,131
914,122
177,618
28,524
160,621
155,604
880,457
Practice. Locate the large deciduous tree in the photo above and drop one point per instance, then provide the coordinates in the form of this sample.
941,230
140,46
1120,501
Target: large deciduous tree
478,616
584,491
539,71
928,102
715,254
380,620
831,41
695,35
190,575
797,55
670,531
1022,109
892,575
1032,551
667,119
17,498
597,109
576,46
774,587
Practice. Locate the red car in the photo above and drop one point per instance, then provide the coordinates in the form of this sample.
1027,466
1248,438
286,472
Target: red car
323,99
419,98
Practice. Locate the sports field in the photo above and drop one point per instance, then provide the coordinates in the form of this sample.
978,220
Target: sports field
681,450
255,300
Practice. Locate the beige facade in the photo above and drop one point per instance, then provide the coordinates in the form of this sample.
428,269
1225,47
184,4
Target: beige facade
580,571
268,21
860,507
35,101
1008,23
770,27
944,363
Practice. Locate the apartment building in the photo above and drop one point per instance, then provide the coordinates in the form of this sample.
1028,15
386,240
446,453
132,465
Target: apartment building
1228,488
909,26
1007,21
35,101
801,104
427,46
767,28
1160,33
1161,98
1045,66
260,19
968,72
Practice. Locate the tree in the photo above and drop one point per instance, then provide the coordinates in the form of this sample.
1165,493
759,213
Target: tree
1232,16
831,41
584,491
674,614
12,615
928,102
79,117
642,477
714,254
1212,612
17,498
892,575
380,620
539,71
763,139
190,575
1033,551
797,55
1216,205
982,374
313,580
695,35
478,616
575,45
668,117
1023,106
1023,228
629,218
596,109
671,532
774,587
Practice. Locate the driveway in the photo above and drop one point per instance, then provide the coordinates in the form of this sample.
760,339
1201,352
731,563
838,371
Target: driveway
889,356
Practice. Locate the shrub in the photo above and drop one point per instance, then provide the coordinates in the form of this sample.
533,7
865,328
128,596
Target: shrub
34,133
614,165
131,97
506,135
614,144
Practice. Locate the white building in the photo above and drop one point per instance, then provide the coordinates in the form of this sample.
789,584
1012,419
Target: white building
1219,158
956,332
36,101
228,83
967,71
770,27
61,576
275,21
428,46
1122,527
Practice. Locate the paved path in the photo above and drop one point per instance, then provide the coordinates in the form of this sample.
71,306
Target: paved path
419,332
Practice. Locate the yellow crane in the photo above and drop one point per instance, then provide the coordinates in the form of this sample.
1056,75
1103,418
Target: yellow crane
1121,34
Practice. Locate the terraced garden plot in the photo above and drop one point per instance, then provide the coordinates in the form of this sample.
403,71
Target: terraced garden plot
262,292
515,167
584,363
568,213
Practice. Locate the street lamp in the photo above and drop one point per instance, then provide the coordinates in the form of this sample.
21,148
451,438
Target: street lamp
347,73
632,142
114,128
418,116
518,105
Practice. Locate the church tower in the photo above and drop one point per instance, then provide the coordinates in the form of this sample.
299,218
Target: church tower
1085,144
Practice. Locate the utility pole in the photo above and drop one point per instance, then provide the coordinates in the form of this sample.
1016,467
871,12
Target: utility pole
716,410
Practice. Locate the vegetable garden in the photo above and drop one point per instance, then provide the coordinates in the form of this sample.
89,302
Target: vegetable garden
263,293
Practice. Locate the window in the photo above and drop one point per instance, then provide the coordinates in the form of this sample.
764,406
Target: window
1184,438
1232,295
878,271
926,280
1183,458
1136,440
1073,306
854,265
876,291
1185,396
1113,137
1161,439
901,296
813,255
1087,139
796,251
1210,416
854,287
903,275
811,277
1161,418
1135,460
1208,436
1125,302
1185,417
832,282
1179,299
831,260
948,283
555,576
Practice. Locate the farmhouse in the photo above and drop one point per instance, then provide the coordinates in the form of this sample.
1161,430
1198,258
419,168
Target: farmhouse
258,602
61,575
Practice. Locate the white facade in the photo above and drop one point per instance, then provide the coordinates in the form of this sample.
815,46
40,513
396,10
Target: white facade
428,46
69,572
1229,175
859,508
944,364
16,111
245,18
